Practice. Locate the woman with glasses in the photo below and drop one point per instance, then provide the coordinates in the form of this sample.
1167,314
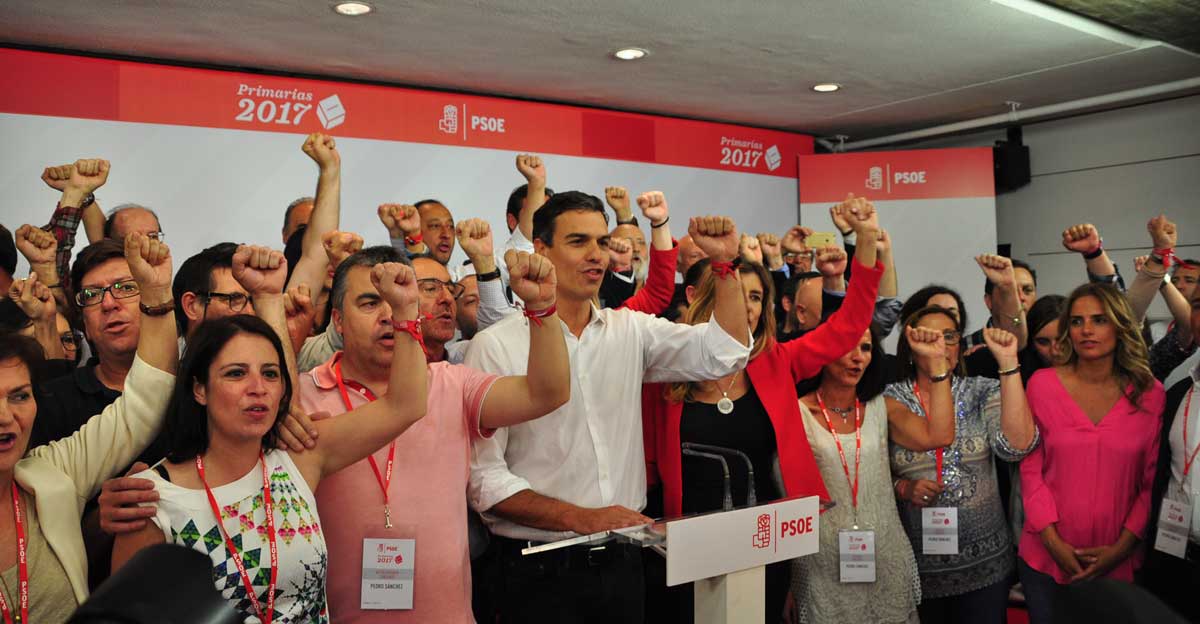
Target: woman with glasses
1087,489
964,578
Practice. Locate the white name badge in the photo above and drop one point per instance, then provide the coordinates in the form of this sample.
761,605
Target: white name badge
1174,526
387,575
939,530
857,556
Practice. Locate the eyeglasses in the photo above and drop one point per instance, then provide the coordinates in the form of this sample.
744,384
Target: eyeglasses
70,339
952,337
88,297
432,287
158,236
236,301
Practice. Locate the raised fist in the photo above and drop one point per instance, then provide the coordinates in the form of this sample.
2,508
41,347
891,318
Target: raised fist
401,220
927,344
883,243
859,214
750,249
531,278
89,174
532,168
793,241
997,269
831,261
618,199
620,254
1082,238
339,246
34,298
37,245
1140,262
150,264
260,270
1162,232
300,313
475,238
58,177
716,236
323,150
654,207
839,221
397,284
1003,346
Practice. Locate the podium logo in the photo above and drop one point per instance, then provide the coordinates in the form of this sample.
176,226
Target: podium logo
330,112
762,537
875,178
774,158
449,121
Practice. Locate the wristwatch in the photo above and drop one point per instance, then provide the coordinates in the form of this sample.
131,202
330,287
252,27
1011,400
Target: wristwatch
1017,320
87,201
494,274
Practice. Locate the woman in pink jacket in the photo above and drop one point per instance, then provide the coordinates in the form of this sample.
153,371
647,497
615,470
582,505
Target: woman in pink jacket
1086,489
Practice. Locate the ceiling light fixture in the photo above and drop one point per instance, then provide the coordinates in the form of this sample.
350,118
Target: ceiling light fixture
826,87
630,54
353,9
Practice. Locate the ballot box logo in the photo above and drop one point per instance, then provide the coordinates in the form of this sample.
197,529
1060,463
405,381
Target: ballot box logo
449,121
773,158
330,112
875,178
762,534
399,559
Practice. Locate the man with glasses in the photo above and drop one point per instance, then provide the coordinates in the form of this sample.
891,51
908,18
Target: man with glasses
204,289
439,305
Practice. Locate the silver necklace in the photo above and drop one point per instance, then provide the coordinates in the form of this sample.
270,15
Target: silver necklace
725,405
844,412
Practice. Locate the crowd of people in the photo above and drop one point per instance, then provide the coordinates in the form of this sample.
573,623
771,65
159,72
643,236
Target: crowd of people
296,414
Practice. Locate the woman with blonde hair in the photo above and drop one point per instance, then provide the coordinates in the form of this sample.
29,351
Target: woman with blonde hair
1087,488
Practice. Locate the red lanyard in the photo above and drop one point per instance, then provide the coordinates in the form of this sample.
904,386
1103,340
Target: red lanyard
857,446
940,451
1187,414
385,482
22,566
269,509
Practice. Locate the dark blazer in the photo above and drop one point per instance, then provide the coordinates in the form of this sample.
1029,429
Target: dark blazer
1162,475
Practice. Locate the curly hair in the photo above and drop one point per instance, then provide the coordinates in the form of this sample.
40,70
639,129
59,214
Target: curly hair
1131,361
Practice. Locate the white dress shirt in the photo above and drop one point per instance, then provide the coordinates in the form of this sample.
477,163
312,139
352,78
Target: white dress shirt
588,452
1177,490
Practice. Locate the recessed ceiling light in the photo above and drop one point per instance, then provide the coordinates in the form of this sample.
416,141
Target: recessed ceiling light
826,87
630,54
353,9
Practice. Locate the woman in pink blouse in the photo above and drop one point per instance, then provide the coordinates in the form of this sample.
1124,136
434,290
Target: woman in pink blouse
1086,489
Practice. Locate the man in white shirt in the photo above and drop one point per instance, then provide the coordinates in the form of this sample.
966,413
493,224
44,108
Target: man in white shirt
581,469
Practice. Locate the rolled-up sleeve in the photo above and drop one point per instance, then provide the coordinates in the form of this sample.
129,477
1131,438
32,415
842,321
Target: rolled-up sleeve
490,482
493,305
676,352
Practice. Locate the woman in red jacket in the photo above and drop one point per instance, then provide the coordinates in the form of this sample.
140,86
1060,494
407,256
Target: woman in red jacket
754,411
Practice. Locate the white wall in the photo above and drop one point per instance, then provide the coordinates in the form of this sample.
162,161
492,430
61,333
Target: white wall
1115,169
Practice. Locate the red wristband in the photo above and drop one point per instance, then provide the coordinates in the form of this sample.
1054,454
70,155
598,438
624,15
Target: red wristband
1166,256
536,316
723,269
413,240
412,328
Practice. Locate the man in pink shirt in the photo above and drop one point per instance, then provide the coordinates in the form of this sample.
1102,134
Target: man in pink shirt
430,463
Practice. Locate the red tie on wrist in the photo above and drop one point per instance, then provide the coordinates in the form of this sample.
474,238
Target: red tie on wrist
1166,255
536,316
412,328
723,269
413,240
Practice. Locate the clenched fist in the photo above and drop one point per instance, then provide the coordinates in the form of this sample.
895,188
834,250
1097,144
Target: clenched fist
1003,346
37,245
793,240
617,198
339,246
401,220
532,168
1162,232
831,261
620,254
772,250
997,269
323,150
654,207
859,213
58,177
1082,238
531,278
926,344
716,236
33,298
88,174
750,250
475,238
260,270
397,284
300,313
150,264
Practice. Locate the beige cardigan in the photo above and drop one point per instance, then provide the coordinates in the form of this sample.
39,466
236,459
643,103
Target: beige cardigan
62,476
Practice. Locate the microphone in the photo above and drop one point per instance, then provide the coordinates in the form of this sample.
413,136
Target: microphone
728,504
751,499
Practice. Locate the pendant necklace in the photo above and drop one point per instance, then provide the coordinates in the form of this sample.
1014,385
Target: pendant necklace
725,405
